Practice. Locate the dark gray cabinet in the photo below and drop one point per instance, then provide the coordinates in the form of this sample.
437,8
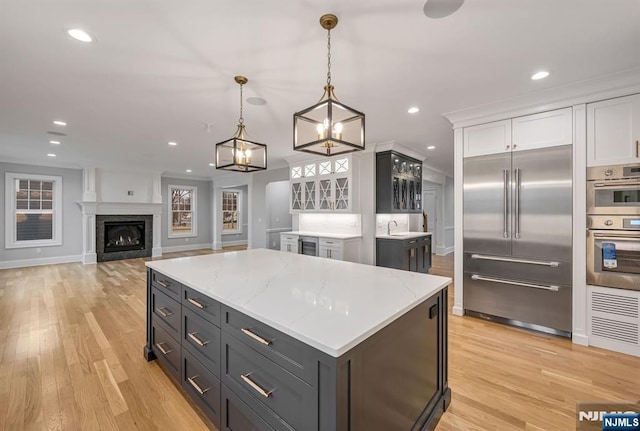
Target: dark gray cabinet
398,183
245,375
412,254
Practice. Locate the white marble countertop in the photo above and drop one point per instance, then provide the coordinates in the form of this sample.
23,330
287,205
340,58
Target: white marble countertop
323,235
329,304
404,235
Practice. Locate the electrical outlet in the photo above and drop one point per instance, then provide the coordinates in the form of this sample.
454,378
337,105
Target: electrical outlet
38,250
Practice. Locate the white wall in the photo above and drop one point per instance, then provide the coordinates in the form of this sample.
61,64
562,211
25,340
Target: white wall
71,248
113,186
204,239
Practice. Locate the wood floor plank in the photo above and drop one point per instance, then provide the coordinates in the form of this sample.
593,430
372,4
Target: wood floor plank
71,340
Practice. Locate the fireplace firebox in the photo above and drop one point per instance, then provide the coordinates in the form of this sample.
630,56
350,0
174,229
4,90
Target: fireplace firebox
123,236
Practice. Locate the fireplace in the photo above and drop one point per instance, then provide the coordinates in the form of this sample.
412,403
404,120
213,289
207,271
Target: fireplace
123,236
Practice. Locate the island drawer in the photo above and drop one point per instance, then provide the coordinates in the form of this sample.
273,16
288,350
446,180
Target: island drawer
257,379
202,386
237,416
331,242
166,348
202,339
291,354
166,284
166,310
201,305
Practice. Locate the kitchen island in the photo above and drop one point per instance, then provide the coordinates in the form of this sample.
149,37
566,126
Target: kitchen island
265,340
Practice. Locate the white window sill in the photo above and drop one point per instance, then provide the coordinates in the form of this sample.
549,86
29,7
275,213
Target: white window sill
32,244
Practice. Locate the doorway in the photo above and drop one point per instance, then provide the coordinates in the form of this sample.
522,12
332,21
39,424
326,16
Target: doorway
430,199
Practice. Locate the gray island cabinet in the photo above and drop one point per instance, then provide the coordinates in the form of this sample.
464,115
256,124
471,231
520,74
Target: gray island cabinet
264,340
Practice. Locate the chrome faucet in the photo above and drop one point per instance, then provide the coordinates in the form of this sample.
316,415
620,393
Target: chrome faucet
389,226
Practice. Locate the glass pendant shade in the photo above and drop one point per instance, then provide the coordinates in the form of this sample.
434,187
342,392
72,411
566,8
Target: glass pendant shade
238,153
329,127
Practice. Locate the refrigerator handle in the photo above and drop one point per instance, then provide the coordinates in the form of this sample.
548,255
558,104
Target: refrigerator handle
517,203
505,203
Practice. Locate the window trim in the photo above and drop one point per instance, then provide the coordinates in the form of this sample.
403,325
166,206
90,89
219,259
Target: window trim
238,210
194,212
10,230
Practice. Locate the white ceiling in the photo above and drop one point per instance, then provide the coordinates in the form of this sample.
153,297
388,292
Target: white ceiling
162,69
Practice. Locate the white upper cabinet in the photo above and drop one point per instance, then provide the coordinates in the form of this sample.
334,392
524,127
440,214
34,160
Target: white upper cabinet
326,185
613,131
489,138
547,129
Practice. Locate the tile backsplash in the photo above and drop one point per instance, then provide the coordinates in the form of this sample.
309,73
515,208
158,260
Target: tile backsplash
382,221
350,224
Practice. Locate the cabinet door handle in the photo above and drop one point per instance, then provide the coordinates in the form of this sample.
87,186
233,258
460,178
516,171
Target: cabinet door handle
192,381
162,349
255,386
637,145
197,340
160,311
196,303
163,284
255,336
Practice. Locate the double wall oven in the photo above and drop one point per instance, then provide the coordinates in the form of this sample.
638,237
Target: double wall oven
613,222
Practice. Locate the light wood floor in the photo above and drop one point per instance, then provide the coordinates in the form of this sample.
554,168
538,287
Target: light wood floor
71,339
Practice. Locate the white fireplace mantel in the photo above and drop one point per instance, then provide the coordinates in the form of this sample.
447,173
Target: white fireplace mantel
91,209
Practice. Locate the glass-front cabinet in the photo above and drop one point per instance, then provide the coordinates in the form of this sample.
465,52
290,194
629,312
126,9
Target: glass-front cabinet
325,185
398,183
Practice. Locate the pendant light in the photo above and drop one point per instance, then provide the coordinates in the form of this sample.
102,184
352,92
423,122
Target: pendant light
238,153
328,127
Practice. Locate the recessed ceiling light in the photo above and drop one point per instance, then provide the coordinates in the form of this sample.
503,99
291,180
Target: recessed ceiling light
54,142
173,144
431,147
51,155
81,35
540,75
441,8
413,110
213,165
258,101
59,123
188,170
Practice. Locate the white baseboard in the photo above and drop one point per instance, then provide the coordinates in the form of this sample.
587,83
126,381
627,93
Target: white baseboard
458,311
22,263
443,251
581,339
89,258
230,243
187,247
156,252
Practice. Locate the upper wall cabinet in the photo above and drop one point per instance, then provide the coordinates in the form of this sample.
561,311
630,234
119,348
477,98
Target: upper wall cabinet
547,129
324,185
398,183
613,131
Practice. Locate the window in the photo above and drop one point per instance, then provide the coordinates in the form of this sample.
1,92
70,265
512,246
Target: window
182,211
33,210
231,222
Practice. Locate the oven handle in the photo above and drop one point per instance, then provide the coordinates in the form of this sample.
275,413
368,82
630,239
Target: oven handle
615,235
508,259
516,283
615,183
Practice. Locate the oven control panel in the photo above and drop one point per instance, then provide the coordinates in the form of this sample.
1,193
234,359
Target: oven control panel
613,222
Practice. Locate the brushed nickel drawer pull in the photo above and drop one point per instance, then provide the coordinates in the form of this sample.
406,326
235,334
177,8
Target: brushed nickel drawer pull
516,283
197,340
162,313
162,349
163,284
255,337
196,303
192,381
507,259
255,386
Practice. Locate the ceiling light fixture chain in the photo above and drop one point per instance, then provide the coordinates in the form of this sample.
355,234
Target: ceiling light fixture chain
329,57
241,120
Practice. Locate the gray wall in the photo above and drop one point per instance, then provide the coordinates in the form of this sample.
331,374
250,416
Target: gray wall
259,209
244,217
205,228
71,213
278,217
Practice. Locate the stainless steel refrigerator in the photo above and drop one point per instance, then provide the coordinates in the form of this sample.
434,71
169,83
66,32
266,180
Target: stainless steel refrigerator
517,238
